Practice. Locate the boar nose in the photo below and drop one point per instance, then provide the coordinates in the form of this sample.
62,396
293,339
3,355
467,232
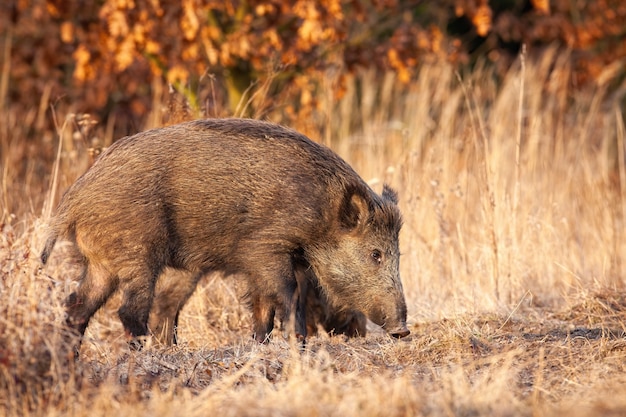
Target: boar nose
400,333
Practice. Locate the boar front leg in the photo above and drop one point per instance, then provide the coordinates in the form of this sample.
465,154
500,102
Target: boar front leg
299,306
263,312
273,287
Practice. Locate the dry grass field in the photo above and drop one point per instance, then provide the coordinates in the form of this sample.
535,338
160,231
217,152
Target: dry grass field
513,263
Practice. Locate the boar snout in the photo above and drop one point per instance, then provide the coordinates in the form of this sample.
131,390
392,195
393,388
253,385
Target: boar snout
401,332
395,327
392,319
397,330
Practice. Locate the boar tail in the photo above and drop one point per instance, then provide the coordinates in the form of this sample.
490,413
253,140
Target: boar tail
56,229
60,226
45,253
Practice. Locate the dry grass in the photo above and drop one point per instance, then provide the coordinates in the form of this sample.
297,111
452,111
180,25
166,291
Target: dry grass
513,248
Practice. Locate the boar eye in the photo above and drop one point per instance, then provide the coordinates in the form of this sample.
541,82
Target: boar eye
377,256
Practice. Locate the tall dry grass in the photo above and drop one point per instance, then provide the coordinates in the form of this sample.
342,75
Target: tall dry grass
514,198
510,190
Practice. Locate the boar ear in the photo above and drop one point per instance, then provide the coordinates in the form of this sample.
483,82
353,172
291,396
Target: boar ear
354,211
390,194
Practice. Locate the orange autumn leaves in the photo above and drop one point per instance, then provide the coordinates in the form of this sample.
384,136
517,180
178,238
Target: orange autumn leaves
188,37
98,54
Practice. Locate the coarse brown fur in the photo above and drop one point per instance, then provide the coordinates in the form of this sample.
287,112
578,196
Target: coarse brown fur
237,196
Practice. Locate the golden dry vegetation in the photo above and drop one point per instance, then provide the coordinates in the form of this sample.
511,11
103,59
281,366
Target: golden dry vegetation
514,198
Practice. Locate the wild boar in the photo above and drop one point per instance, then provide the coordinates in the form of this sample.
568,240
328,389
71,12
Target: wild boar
238,196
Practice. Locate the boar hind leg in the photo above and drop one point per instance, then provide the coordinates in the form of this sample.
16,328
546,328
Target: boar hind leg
173,289
95,288
138,292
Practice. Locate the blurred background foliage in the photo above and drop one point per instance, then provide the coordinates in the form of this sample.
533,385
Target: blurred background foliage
115,59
